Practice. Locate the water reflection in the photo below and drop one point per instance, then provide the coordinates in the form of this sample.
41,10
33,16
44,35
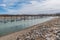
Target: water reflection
14,25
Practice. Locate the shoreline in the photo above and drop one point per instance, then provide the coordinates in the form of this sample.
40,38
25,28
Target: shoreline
13,36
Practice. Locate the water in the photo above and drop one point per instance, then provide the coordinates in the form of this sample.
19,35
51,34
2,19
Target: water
9,27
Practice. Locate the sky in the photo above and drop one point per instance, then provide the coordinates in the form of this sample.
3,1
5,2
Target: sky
29,6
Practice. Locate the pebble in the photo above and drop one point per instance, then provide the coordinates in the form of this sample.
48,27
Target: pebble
47,33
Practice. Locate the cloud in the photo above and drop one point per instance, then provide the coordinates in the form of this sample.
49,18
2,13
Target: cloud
32,6
3,5
47,6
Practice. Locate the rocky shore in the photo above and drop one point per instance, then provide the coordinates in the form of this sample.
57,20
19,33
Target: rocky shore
49,30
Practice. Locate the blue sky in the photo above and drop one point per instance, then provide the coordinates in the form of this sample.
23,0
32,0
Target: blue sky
29,6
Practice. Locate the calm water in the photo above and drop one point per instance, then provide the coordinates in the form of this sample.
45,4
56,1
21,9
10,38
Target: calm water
6,28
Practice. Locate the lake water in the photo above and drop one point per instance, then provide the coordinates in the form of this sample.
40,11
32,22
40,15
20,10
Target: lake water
6,28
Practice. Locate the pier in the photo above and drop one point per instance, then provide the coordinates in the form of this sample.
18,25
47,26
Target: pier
12,18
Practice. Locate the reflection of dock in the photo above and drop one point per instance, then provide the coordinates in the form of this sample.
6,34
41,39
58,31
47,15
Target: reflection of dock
18,17
23,17
26,16
12,18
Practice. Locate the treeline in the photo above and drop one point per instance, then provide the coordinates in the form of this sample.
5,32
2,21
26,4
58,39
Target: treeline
57,14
